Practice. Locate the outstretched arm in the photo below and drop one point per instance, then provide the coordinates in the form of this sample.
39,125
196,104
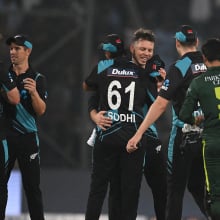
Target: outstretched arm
155,111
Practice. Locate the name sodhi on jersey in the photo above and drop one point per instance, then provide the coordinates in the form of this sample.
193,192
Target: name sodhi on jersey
121,117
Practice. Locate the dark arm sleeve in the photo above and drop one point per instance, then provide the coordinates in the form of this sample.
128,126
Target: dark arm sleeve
91,80
41,86
93,102
188,107
171,83
6,79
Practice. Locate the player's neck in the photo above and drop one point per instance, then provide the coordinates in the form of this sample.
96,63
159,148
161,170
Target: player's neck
183,51
215,63
20,68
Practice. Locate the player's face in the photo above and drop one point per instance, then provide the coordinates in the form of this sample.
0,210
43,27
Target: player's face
142,51
18,54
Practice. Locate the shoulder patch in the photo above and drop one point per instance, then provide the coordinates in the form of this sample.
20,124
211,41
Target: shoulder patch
104,64
183,65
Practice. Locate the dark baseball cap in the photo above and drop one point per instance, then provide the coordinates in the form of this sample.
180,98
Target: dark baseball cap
153,66
112,43
20,40
186,33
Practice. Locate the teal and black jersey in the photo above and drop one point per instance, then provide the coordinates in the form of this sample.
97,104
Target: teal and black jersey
179,76
205,89
23,115
122,87
184,161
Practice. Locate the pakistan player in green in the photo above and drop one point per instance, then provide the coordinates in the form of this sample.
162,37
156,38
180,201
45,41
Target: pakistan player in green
205,89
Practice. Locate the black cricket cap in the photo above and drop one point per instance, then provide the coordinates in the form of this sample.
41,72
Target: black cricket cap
112,43
186,33
20,40
153,65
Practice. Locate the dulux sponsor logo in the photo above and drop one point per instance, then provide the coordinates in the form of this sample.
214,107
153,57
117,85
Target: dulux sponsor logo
199,67
122,72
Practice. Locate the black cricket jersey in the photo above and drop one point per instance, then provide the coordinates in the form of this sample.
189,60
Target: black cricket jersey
6,84
178,78
121,85
23,115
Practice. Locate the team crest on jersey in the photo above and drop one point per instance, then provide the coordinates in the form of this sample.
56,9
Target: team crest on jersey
121,72
198,68
24,94
215,79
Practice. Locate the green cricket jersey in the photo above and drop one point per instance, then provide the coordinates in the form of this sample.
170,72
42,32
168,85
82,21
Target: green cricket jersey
204,89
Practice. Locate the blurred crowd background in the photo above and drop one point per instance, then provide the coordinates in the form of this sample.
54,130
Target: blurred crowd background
65,36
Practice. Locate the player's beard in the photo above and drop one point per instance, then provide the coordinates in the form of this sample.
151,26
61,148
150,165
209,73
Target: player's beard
136,60
14,60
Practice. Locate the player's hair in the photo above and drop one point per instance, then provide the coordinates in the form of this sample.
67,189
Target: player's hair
211,49
189,44
143,34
